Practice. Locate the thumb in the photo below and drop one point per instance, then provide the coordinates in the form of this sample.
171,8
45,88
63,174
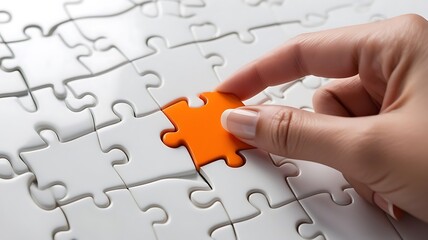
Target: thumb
299,134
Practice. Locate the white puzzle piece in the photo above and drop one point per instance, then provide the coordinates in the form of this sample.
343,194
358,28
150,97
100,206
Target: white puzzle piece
272,223
185,220
45,14
224,19
54,114
122,219
122,84
11,83
129,31
232,186
59,162
149,158
97,8
237,53
307,12
183,72
357,12
20,217
358,220
257,99
46,61
98,61
19,127
314,178
299,94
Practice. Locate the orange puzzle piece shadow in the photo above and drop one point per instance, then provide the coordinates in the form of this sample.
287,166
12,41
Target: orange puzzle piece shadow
200,130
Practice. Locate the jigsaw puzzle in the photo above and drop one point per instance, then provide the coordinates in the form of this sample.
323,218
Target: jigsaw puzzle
110,128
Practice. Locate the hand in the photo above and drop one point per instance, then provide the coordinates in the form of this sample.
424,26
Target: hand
372,124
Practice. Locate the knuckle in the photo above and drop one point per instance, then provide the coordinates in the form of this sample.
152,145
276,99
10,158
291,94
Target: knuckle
279,130
414,21
321,97
297,44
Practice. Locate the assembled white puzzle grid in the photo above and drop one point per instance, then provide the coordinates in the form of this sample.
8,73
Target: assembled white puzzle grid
82,83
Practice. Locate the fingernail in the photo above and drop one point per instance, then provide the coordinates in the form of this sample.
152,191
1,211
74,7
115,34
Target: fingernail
239,122
387,206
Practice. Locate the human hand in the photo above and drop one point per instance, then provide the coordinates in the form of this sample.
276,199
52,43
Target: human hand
372,125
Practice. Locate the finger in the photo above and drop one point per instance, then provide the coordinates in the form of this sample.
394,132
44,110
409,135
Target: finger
300,134
332,53
345,97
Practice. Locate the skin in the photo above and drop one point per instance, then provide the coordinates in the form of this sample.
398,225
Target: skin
371,123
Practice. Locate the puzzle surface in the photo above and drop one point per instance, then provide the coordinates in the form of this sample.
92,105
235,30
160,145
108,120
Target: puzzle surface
109,128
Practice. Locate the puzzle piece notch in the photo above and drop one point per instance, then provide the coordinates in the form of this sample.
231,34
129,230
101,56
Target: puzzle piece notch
46,61
358,220
174,8
18,209
122,219
97,8
185,220
5,17
6,170
11,83
20,126
258,174
149,158
179,79
98,61
122,84
315,178
130,31
224,18
299,93
238,53
57,163
272,223
198,128
46,14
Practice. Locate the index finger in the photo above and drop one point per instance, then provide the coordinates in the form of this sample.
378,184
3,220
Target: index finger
331,53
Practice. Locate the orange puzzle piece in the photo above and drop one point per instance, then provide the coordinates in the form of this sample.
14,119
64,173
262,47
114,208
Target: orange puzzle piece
200,130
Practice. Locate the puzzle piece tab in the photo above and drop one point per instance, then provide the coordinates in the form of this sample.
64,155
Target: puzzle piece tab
20,217
46,61
24,13
200,130
358,220
258,174
129,31
79,165
19,126
185,220
149,158
182,71
121,220
272,223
